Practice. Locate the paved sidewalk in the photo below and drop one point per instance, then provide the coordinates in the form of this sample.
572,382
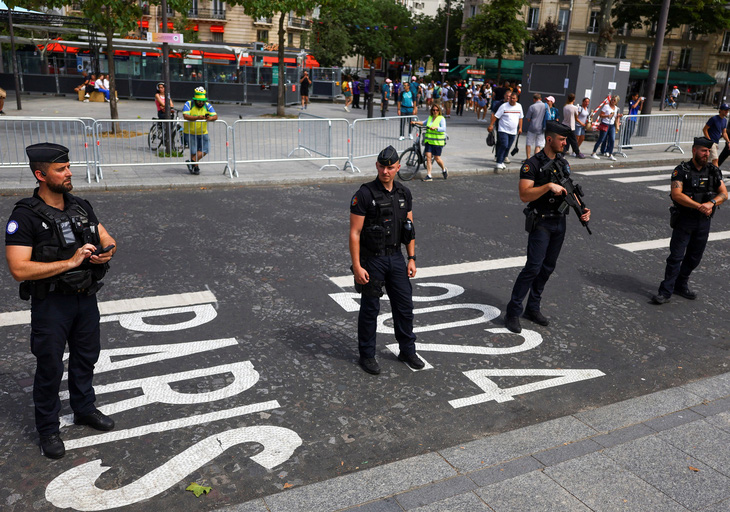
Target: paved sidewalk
465,153
665,451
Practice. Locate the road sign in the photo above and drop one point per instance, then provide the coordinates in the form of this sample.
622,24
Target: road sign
467,61
443,70
421,69
474,71
444,64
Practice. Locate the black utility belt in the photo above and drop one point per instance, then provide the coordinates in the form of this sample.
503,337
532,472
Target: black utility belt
393,249
548,215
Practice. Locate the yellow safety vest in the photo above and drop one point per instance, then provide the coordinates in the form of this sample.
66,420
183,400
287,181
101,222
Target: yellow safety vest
432,136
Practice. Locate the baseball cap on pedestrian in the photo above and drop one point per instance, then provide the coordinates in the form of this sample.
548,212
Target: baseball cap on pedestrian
389,156
413,78
550,98
200,94
438,83
388,81
704,142
724,106
556,128
47,152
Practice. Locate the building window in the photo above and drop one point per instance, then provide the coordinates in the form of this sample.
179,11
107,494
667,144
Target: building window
593,23
621,51
219,9
647,55
472,11
216,37
262,36
722,66
561,48
290,39
591,49
725,43
563,17
533,18
624,30
685,58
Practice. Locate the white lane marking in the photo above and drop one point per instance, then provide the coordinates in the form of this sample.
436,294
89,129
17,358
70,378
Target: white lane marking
632,170
164,426
488,313
125,306
639,179
663,243
76,488
662,188
450,270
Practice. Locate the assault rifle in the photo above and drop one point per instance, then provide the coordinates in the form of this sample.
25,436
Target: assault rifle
559,174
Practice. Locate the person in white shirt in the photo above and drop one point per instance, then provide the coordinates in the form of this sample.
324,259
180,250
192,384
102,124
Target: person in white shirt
510,117
102,84
607,128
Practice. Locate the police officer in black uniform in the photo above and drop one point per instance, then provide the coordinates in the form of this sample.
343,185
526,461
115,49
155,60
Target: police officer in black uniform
545,224
56,247
380,221
697,190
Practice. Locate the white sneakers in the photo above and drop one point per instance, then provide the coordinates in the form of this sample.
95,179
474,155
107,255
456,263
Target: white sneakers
346,109
595,156
401,137
611,157
86,95
410,136
500,166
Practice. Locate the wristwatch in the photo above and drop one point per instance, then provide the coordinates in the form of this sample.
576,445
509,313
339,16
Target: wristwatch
713,201
412,257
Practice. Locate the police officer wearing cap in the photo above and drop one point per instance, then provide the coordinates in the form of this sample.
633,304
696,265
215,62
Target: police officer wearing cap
545,225
381,219
697,190
59,252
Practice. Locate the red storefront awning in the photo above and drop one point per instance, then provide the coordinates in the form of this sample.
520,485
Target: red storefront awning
217,28
143,24
170,26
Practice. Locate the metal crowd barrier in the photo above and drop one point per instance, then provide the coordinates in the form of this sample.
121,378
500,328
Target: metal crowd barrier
132,143
692,125
77,134
649,130
287,140
370,136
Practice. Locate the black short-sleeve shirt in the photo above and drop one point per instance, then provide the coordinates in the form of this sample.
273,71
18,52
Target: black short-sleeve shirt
362,202
531,170
27,228
682,172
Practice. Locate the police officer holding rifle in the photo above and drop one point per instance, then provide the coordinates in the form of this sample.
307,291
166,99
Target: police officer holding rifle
546,186
381,219
697,190
56,246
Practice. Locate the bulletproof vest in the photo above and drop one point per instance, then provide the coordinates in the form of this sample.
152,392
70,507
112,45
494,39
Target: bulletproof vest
71,229
702,184
382,229
548,202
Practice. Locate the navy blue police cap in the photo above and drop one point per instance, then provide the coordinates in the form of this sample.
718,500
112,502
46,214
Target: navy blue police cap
47,152
389,156
704,142
557,128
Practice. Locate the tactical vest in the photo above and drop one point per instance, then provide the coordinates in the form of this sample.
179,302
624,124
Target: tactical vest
71,229
548,202
702,184
382,229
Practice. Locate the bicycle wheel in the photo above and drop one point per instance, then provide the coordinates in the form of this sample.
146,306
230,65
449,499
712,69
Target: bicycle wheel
409,164
154,138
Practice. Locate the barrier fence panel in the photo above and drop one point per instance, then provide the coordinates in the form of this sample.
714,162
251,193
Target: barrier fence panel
371,136
125,143
649,130
290,140
692,125
16,133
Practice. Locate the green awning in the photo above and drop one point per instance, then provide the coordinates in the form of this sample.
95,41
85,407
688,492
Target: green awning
511,69
675,77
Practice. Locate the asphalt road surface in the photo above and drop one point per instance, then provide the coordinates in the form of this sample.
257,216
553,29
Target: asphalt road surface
230,353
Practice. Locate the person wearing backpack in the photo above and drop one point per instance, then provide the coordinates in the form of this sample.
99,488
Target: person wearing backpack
405,102
437,94
447,98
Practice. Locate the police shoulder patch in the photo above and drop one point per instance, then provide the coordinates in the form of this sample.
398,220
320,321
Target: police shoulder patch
354,201
525,168
676,172
12,227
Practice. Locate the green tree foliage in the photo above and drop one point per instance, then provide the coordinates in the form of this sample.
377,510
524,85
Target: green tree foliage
546,39
499,28
428,39
330,39
703,16
269,8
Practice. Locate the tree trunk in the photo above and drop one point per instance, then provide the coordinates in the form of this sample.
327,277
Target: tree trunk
281,99
499,69
605,29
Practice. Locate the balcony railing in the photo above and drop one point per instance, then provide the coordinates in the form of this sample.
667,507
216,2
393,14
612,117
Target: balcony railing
301,23
263,21
170,13
208,14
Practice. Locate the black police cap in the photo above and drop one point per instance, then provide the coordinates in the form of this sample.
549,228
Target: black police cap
557,128
704,142
389,156
47,152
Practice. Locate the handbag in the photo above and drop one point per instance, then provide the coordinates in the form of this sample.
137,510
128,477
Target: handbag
602,127
490,139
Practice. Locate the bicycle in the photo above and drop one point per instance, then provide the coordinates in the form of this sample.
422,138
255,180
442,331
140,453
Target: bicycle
412,158
156,136
670,103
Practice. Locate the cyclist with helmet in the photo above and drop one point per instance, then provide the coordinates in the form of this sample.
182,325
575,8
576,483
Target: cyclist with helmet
196,133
